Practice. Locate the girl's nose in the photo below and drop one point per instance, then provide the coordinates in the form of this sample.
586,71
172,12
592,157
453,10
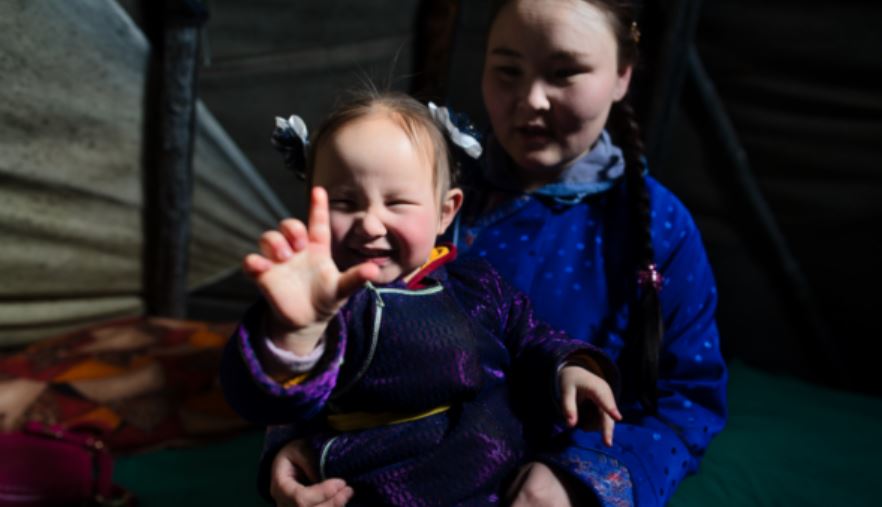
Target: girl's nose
536,97
372,226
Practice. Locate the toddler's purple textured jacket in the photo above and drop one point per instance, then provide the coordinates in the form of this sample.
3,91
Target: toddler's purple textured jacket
463,340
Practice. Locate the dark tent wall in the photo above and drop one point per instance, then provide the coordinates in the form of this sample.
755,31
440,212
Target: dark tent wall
800,83
275,57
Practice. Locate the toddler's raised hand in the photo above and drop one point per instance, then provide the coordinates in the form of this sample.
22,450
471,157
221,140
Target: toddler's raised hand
299,279
578,385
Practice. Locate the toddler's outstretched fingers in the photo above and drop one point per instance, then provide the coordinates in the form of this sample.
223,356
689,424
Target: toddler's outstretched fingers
275,247
255,265
295,232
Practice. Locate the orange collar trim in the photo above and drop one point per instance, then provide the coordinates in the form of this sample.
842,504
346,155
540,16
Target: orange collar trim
440,255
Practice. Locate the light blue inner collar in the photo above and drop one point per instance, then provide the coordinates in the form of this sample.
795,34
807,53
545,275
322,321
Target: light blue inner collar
594,172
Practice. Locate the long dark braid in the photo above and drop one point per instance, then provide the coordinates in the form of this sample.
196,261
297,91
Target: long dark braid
645,327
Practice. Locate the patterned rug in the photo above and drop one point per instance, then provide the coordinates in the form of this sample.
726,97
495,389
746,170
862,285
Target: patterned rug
140,383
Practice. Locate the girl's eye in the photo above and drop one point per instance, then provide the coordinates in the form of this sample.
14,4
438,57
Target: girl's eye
507,71
566,73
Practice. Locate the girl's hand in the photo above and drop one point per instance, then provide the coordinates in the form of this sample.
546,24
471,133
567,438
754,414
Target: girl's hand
578,385
292,464
299,279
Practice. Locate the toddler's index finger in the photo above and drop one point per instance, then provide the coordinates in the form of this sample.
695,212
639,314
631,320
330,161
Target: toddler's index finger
319,227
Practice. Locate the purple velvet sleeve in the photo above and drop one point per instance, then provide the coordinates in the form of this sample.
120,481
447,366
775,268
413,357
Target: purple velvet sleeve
259,398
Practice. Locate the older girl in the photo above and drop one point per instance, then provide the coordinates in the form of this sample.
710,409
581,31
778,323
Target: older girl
563,208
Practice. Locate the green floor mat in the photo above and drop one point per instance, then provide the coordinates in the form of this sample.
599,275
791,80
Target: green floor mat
215,475
789,443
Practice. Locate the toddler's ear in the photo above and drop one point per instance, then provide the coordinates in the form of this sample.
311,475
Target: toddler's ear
450,205
622,83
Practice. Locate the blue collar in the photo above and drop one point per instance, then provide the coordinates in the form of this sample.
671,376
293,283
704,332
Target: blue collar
593,173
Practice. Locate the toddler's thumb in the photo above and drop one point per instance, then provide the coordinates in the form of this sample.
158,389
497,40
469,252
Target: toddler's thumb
355,277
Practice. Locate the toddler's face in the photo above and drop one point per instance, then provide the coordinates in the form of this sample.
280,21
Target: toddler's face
382,198
550,78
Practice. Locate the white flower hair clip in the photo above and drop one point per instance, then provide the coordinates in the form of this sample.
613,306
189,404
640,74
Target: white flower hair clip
293,125
465,140
291,138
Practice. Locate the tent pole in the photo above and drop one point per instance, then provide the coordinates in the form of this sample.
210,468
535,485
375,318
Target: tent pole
436,26
173,28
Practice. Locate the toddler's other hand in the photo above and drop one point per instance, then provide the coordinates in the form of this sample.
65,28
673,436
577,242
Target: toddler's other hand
290,466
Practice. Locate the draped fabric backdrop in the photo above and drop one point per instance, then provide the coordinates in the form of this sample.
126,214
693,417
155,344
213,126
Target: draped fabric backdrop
71,124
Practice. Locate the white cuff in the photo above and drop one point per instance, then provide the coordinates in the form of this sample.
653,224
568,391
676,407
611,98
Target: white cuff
289,360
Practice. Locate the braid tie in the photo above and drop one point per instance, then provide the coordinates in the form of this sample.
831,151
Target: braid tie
650,278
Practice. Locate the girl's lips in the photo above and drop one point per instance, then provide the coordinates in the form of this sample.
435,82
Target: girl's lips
534,136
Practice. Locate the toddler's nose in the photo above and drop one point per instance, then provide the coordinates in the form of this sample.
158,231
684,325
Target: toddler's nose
372,226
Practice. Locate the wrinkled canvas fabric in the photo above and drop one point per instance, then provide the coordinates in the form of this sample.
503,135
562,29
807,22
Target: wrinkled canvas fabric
71,194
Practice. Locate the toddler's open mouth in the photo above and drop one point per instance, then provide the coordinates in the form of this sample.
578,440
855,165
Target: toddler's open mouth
378,256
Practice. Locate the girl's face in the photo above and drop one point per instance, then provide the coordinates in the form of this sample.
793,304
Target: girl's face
383,202
550,79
